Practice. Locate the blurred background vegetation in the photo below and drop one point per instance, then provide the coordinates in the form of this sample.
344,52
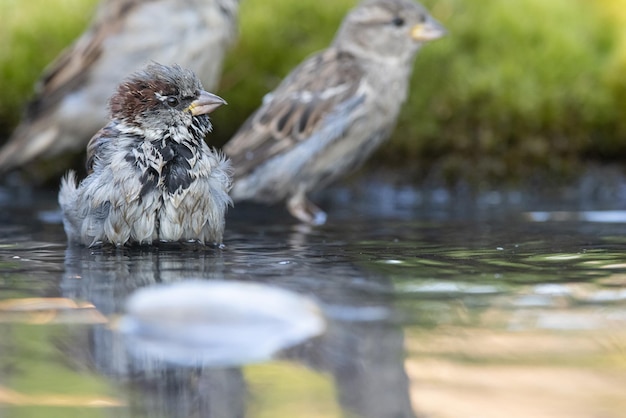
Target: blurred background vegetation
515,89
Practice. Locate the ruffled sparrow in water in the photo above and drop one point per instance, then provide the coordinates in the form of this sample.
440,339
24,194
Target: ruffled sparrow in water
151,175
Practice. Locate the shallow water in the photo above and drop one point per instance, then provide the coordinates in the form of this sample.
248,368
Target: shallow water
434,306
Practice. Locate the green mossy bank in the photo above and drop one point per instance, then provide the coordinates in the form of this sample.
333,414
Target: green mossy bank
515,88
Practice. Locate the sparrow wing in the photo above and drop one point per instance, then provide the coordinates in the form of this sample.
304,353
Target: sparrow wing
99,146
72,67
316,96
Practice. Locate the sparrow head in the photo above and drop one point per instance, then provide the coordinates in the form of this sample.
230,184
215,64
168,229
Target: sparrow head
387,29
161,97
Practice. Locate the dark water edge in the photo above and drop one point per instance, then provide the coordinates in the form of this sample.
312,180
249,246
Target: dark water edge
390,192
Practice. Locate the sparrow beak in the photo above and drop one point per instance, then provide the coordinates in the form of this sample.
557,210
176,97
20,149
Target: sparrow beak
428,31
205,104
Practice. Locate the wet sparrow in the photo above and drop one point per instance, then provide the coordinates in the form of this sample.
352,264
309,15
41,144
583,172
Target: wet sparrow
70,99
333,110
151,175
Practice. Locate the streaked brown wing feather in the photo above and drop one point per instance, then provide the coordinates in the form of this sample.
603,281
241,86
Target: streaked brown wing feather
296,109
71,68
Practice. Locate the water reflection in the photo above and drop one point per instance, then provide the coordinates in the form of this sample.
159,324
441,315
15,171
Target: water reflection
360,350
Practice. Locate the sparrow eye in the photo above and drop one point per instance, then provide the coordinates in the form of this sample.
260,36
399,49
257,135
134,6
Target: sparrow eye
398,21
172,101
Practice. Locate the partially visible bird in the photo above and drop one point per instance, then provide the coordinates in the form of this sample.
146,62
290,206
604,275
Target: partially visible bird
69,105
333,110
151,175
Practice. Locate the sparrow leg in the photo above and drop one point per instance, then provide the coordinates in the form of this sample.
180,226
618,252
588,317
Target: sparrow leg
304,210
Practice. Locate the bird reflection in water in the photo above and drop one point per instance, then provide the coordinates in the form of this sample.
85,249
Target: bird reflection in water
362,353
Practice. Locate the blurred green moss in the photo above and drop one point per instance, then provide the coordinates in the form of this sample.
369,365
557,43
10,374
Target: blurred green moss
514,87
614,11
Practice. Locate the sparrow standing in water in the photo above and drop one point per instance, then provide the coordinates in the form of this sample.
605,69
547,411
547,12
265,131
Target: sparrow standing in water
151,175
333,110
69,105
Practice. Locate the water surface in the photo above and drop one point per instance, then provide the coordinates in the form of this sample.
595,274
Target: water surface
434,307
